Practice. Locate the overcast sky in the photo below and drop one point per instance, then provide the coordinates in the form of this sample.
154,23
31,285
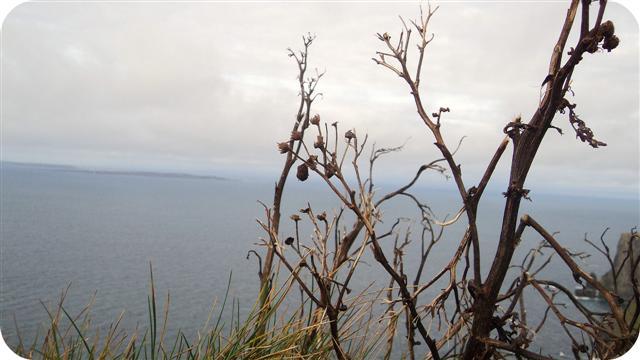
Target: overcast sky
208,87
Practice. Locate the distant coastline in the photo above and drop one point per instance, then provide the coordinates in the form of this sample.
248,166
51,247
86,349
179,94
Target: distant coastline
70,168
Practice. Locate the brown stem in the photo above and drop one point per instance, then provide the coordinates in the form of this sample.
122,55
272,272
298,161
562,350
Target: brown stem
579,273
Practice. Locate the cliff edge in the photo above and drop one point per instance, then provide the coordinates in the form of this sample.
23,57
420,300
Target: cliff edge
622,263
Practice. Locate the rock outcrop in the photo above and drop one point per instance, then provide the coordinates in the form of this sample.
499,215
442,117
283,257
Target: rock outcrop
624,285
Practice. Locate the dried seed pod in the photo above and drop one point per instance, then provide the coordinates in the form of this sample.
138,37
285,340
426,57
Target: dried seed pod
343,307
319,144
349,135
329,171
607,29
322,217
295,217
284,147
289,241
303,263
315,120
610,43
311,162
303,172
296,135
305,211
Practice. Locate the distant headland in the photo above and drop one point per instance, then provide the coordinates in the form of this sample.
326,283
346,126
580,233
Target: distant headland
70,168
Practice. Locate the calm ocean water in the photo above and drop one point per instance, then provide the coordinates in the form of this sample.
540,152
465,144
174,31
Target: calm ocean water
100,232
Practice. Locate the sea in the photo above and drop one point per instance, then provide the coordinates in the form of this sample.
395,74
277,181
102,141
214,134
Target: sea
95,235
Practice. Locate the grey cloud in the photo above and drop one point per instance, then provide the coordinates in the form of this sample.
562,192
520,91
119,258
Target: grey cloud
204,86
